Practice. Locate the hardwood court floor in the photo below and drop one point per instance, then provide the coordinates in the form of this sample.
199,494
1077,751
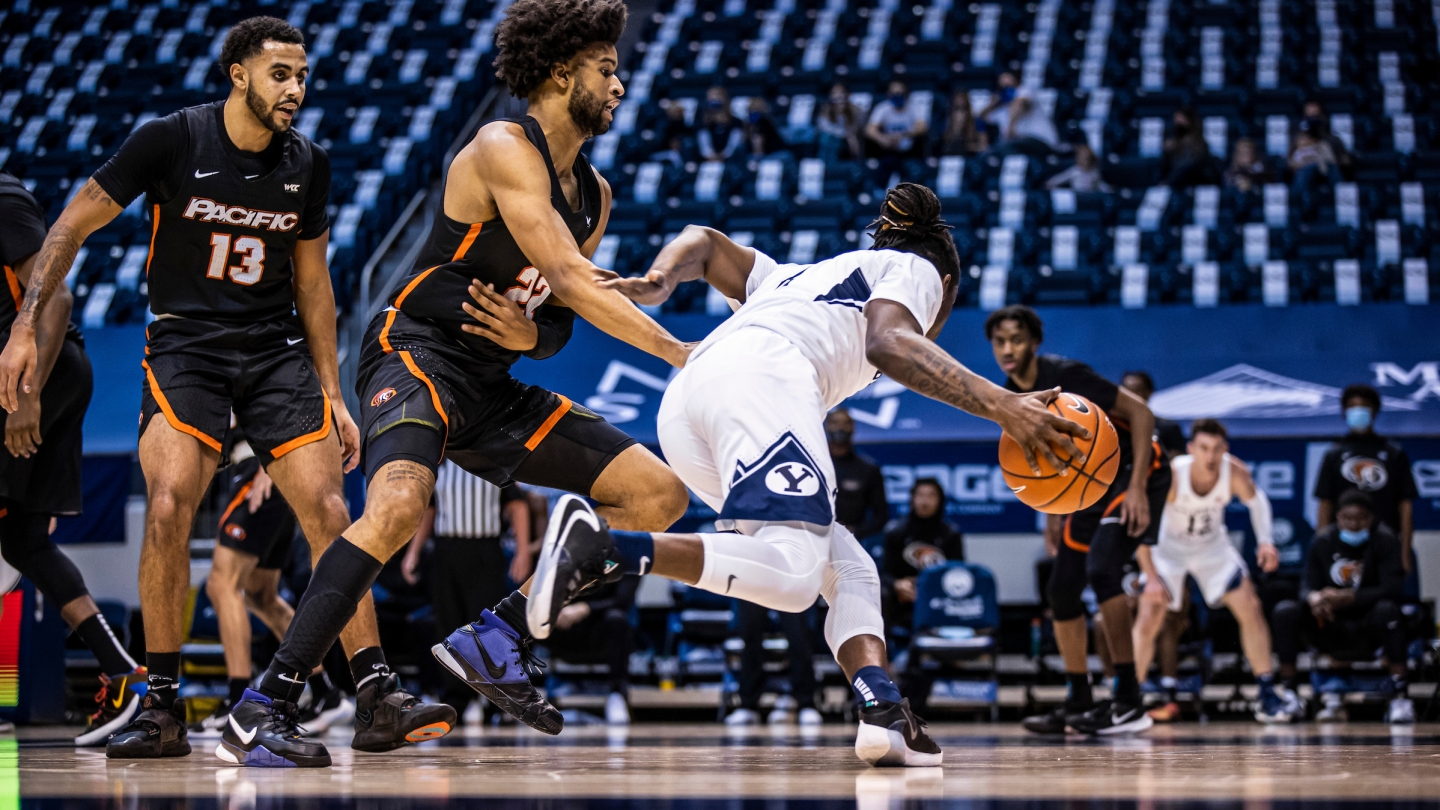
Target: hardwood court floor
1225,763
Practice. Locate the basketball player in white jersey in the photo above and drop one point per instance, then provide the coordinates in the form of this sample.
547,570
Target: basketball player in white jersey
742,425
1194,542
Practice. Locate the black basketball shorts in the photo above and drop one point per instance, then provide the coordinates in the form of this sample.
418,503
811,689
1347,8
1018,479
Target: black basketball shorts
495,427
198,372
267,532
49,481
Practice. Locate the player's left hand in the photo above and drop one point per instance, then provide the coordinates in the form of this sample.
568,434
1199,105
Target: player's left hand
651,289
22,428
260,488
1135,510
500,319
17,367
1267,557
349,434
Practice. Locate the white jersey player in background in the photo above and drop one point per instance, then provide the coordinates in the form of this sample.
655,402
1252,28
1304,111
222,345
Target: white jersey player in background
742,424
1194,541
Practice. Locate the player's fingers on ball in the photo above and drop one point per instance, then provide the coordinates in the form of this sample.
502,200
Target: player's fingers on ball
1030,459
1054,460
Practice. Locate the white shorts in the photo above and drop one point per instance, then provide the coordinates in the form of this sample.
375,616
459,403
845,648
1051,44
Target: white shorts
743,427
1216,567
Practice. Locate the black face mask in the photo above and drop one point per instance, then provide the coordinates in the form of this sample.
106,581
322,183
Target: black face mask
840,437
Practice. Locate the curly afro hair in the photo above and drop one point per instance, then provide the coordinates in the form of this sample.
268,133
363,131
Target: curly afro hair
537,34
248,39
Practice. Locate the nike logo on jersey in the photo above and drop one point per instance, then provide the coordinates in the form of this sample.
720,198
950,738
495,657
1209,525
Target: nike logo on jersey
202,176
245,736
251,176
729,582
293,341
210,211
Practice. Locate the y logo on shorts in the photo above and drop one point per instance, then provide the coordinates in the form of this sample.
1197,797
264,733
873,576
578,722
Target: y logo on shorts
782,483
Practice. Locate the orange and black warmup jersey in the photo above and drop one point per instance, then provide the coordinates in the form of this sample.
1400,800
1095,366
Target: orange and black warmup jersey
224,222
457,252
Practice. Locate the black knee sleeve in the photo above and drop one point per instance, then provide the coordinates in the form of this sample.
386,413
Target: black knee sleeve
405,442
1067,583
25,544
1110,550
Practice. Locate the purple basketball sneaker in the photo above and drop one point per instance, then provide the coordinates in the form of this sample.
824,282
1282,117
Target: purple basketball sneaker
492,658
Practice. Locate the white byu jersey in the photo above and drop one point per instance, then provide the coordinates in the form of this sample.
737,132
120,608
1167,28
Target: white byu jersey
1194,519
820,308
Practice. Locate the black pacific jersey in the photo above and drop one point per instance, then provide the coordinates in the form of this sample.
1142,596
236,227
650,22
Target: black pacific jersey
22,232
221,239
458,252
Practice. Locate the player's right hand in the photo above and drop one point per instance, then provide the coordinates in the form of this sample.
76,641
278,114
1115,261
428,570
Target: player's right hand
22,428
1039,432
260,488
17,366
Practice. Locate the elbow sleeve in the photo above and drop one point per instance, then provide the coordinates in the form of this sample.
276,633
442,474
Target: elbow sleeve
1261,518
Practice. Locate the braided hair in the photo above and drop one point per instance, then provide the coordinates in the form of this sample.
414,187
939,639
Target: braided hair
910,222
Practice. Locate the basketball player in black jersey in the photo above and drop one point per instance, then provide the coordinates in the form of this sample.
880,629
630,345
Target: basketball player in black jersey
40,470
1095,544
523,212
244,321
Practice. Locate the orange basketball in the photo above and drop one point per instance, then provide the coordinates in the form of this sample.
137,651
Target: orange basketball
1063,495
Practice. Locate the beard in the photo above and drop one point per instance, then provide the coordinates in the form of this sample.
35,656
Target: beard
263,112
587,110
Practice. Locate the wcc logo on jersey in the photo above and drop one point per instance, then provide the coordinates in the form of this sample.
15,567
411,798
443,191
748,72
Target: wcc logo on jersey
784,483
854,291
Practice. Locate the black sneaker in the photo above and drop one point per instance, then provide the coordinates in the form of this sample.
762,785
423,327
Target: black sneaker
1056,721
263,733
492,658
575,554
387,717
1109,718
155,732
891,735
116,704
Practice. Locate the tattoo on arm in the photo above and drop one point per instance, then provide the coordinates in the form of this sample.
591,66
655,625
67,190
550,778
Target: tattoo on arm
57,253
94,193
926,369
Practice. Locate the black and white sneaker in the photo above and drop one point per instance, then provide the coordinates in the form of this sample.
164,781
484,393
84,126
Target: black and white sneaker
1110,718
890,735
214,724
157,731
263,733
576,553
1056,721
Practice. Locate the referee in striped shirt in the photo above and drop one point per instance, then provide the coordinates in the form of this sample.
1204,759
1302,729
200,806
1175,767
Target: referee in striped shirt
467,566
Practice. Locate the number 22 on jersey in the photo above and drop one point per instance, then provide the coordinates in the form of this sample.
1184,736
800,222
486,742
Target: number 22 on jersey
531,292
252,258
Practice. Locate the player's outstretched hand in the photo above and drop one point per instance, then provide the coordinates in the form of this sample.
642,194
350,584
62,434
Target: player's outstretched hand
17,367
1040,432
1267,557
500,319
22,428
349,435
651,289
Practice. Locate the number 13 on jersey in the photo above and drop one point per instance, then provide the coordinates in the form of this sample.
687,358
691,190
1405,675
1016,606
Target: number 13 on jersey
252,258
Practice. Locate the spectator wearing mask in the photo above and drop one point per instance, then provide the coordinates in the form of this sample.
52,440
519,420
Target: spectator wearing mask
896,131
839,124
1350,603
720,136
674,135
1187,160
1247,171
922,539
860,504
467,566
597,627
1084,175
1314,112
1363,460
761,135
1018,122
962,136
1312,159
